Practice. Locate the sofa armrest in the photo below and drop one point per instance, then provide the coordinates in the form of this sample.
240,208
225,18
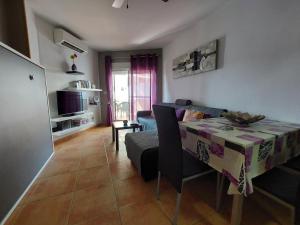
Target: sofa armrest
143,113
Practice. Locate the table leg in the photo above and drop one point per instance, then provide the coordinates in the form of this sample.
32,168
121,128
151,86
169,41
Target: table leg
113,133
117,139
237,209
133,130
141,128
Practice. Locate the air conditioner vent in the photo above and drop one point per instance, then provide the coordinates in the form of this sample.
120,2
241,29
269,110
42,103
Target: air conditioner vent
63,38
64,43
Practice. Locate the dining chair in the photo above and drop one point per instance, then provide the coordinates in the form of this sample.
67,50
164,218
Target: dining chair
177,165
283,187
293,165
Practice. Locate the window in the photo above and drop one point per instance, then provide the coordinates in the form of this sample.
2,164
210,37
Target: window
121,103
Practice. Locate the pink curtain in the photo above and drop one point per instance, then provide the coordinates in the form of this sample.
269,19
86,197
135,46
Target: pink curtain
143,83
108,82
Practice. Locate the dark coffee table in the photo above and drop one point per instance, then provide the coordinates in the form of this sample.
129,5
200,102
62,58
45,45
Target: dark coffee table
119,125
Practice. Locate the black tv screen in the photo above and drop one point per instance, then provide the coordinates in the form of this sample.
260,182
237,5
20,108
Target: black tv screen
70,102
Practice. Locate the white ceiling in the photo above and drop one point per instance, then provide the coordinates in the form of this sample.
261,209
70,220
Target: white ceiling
146,24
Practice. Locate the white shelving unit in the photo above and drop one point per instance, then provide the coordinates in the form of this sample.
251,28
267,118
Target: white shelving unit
63,133
60,134
64,118
82,89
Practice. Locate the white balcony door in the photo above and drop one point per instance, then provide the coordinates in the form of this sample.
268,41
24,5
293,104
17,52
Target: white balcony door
121,103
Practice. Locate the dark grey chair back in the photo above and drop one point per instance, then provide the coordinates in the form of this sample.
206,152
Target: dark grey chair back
297,208
170,162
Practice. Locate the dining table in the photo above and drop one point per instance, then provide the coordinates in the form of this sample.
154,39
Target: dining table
241,153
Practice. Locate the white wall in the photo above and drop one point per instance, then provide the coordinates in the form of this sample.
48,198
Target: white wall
260,71
56,60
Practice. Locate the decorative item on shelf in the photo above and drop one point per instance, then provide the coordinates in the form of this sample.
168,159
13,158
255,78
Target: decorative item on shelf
82,84
242,119
80,122
73,57
74,67
125,122
94,100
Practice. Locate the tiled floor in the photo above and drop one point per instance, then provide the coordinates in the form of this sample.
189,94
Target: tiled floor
88,183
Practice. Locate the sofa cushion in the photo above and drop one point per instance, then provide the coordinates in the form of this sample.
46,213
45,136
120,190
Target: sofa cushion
142,150
180,114
183,102
213,112
191,115
148,123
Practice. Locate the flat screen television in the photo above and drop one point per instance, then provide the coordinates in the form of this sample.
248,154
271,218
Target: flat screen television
71,102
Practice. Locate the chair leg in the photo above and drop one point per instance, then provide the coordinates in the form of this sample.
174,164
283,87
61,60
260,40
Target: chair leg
178,200
158,184
220,187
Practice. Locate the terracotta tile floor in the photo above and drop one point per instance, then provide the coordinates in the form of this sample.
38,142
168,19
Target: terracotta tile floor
88,183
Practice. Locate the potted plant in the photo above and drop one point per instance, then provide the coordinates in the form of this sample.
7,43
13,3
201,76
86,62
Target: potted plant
73,57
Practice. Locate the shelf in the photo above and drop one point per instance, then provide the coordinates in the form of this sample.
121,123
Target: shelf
82,89
72,130
75,72
60,119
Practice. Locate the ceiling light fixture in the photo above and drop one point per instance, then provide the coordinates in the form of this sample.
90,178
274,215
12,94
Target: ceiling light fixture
119,3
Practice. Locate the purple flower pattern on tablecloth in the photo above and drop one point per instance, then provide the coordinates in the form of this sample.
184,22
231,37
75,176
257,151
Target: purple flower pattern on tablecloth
278,137
206,133
217,150
207,125
278,144
230,177
279,130
202,133
246,130
248,158
252,138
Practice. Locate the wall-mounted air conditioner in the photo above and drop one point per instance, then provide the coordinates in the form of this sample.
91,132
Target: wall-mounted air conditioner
63,38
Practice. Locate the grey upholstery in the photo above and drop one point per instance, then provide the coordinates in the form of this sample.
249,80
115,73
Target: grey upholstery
280,184
142,150
149,123
174,163
283,185
213,112
191,165
294,164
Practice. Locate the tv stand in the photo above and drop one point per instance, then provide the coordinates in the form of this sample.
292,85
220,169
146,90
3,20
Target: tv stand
73,114
63,133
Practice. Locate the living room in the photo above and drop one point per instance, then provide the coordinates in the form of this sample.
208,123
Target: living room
150,112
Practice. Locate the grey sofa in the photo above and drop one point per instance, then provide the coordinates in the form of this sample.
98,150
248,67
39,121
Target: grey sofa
148,121
142,147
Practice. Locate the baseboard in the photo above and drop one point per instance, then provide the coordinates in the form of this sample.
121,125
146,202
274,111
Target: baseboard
26,190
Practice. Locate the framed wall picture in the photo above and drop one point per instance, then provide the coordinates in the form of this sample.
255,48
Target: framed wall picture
200,60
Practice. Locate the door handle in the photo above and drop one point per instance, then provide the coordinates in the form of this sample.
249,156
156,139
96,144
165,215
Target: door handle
31,77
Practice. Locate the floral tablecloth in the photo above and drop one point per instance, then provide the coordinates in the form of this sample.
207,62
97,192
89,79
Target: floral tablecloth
241,153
